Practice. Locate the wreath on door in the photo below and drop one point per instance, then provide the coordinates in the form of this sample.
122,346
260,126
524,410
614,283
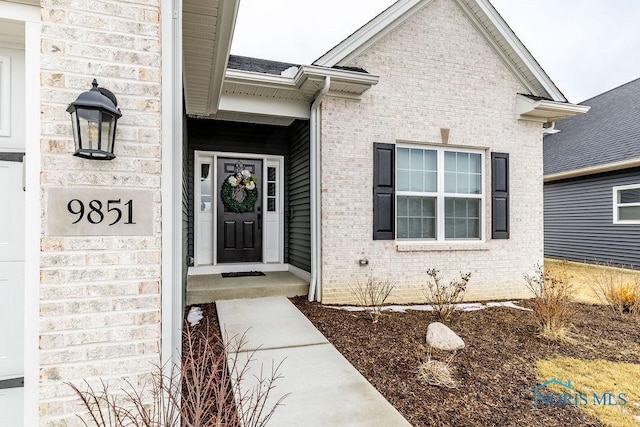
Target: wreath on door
240,192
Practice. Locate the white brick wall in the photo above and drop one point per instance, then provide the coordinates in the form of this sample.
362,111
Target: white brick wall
100,296
436,71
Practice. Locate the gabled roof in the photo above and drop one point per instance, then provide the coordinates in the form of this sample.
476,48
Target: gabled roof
484,18
606,138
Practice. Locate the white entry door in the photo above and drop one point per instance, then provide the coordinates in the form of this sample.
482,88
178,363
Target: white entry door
12,198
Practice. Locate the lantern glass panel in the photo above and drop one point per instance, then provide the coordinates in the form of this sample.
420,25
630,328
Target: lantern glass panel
108,131
89,129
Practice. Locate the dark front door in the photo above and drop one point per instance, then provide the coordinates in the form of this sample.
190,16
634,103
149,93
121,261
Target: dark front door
239,233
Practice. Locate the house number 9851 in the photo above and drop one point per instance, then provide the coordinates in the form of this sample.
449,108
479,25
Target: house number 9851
96,211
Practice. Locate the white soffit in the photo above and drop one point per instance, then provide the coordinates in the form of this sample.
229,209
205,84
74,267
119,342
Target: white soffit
207,29
545,110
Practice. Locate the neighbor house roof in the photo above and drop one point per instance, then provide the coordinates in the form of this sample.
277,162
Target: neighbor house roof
606,138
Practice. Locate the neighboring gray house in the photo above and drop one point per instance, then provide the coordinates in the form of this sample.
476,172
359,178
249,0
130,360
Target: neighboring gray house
592,182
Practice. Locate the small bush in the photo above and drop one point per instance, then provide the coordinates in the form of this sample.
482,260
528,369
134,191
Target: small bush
372,293
552,302
205,391
435,372
444,296
617,289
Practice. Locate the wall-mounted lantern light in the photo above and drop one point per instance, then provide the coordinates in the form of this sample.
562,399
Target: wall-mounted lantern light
94,115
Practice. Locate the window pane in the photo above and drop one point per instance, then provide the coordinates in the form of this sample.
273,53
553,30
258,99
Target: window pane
403,158
475,164
430,160
416,170
403,180
475,184
271,174
463,162
415,207
403,206
463,173
416,217
417,181
629,213
403,228
431,181
205,188
271,204
462,218
629,196
463,183
450,161
450,182
416,160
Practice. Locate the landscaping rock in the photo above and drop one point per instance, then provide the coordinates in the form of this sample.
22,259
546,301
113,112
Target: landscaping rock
441,337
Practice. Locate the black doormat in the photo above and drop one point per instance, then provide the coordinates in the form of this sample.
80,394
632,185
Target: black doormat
243,274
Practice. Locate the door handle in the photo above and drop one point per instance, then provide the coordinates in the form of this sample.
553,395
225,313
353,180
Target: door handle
17,382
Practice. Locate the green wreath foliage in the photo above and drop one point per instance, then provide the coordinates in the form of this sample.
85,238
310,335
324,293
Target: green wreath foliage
232,204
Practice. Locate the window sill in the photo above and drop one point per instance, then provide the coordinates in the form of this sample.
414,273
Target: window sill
442,247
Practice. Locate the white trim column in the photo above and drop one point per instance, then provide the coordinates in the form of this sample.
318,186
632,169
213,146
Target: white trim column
171,180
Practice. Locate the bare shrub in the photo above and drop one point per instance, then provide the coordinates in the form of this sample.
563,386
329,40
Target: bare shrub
205,391
552,301
372,293
444,296
435,372
617,289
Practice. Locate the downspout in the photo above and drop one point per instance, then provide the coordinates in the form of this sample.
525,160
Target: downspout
314,125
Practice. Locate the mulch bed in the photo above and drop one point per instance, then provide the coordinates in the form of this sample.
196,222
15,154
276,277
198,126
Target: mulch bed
495,372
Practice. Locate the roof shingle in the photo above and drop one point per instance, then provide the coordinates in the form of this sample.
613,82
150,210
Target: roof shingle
608,133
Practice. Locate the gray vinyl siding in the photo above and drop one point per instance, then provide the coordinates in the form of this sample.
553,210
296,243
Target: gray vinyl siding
578,220
185,210
299,197
215,135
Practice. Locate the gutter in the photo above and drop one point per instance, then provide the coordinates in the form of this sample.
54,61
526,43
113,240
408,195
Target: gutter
608,167
315,128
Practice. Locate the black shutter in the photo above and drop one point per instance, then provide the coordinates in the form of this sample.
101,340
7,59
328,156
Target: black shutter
499,195
383,191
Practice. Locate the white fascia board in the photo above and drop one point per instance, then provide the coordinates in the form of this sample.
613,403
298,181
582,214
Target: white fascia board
225,26
260,79
336,75
264,106
544,110
524,54
371,32
294,83
609,167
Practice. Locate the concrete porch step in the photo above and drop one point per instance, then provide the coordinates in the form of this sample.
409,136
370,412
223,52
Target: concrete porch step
208,288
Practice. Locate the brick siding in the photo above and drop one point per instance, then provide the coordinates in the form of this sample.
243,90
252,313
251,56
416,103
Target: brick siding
100,296
436,71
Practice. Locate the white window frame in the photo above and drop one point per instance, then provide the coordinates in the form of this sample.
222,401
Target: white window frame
617,205
5,96
440,195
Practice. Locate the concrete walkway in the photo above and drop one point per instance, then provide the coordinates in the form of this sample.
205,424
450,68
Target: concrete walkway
326,390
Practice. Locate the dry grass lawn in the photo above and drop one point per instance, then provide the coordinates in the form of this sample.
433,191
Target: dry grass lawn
599,376
584,277
589,376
